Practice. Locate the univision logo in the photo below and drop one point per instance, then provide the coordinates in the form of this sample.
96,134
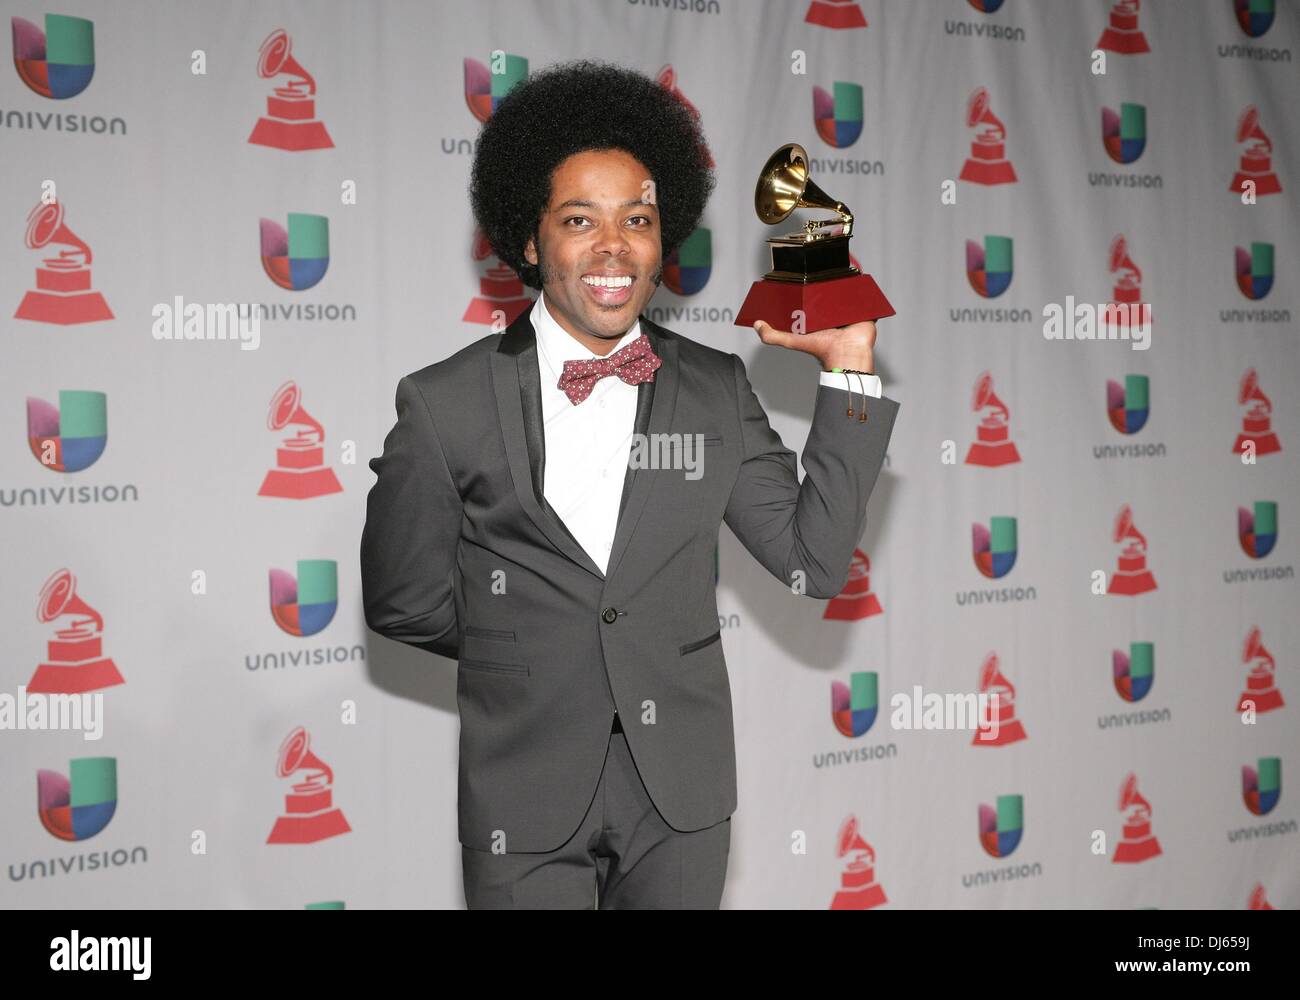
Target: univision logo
1124,132
1134,671
854,705
58,62
305,605
1128,405
989,267
1254,16
1257,528
80,805
994,546
686,270
1261,787
1001,826
71,436
296,257
487,86
837,113
1255,270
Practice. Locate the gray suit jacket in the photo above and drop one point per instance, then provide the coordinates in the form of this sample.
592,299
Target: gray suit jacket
461,555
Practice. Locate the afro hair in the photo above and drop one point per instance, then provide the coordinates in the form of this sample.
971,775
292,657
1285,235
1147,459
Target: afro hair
565,109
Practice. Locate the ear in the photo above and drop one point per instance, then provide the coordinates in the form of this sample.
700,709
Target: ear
530,252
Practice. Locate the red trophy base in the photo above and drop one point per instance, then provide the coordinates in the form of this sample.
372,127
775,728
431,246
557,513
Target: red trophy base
292,136
1130,851
1128,583
992,454
858,890
300,485
835,15
483,310
308,829
1010,731
852,607
1126,43
1264,183
1265,444
74,678
86,307
988,172
1264,701
823,304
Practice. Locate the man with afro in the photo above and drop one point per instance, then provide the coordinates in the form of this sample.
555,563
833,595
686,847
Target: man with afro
548,504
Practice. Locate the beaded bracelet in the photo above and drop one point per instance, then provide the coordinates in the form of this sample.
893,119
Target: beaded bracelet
846,372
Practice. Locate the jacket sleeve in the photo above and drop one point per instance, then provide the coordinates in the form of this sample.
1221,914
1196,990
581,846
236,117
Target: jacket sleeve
412,532
809,528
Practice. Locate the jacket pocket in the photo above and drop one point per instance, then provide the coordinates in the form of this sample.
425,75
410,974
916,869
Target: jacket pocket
499,634
489,667
690,647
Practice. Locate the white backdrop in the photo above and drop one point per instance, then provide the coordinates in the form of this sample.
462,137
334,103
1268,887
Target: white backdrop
170,542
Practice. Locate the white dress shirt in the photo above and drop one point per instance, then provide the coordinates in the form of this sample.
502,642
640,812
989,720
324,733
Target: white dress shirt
587,445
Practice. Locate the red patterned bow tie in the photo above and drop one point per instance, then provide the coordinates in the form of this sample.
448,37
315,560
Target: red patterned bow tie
635,363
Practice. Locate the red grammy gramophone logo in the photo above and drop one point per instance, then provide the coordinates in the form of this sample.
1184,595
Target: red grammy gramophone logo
501,293
309,813
1131,576
988,163
301,472
1127,291
1002,708
1138,842
77,663
63,294
1257,432
855,601
858,887
993,445
1122,34
1256,165
290,122
1261,694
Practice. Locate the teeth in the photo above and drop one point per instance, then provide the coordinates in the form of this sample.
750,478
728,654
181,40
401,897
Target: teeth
622,282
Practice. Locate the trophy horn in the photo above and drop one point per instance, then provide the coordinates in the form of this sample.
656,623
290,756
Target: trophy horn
784,185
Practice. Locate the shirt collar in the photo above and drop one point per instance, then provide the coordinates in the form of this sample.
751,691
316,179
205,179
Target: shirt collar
556,345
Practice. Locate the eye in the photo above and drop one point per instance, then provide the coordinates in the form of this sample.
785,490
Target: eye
574,218
644,218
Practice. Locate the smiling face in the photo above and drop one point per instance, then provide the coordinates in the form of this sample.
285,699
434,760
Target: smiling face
601,257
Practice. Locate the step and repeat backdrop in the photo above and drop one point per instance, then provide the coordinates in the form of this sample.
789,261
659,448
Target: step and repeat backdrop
1065,670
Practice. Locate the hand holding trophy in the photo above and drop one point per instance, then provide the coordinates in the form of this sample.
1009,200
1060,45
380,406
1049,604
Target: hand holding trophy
812,286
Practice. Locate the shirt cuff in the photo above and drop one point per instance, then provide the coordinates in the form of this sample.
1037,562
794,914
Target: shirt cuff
870,384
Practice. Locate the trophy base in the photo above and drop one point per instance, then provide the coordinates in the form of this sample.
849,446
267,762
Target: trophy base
483,310
74,678
300,485
1130,584
823,304
1264,701
988,172
292,136
1264,183
1133,851
992,455
66,310
852,609
1126,43
832,15
1008,732
1265,444
859,899
308,829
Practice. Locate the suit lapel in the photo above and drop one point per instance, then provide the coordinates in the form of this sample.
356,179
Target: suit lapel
517,384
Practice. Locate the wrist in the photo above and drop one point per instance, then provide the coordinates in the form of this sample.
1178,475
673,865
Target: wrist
856,362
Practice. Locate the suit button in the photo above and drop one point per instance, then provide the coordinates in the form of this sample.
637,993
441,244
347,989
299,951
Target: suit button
609,614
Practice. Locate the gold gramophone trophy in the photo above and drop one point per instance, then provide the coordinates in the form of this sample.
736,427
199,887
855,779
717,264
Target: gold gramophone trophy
812,278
